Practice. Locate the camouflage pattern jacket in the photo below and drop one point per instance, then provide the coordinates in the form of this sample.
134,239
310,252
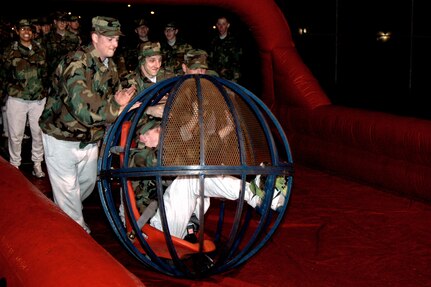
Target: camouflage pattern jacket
141,82
81,103
145,189
58,46
224,56
25,71
173,56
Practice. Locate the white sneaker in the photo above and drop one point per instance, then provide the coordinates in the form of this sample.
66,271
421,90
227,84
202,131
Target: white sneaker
86,228
37,170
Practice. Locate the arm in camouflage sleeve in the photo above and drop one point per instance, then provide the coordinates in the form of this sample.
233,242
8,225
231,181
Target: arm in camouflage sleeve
90,93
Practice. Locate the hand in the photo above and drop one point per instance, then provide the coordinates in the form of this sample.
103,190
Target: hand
123,97
135,105
155,111
230,126
164,99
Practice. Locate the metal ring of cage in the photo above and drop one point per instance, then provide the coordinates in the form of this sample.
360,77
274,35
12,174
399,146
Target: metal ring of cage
237,230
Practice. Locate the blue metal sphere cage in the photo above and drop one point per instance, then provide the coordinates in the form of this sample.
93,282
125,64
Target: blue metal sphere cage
236,230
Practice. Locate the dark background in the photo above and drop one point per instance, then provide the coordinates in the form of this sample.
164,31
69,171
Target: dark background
354,68
340,47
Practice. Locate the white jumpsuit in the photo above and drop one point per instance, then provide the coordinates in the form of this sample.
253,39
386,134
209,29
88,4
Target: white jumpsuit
182,196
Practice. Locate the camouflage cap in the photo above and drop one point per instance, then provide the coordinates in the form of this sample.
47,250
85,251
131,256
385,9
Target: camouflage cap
141,22
196,59
171,24
44,21
35,21
73,18
149,49
106,26
24,23
60,16
151,124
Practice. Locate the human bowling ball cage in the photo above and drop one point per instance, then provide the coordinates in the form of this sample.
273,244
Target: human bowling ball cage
235,230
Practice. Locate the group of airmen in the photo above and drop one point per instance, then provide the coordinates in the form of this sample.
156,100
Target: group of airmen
61,32
40,53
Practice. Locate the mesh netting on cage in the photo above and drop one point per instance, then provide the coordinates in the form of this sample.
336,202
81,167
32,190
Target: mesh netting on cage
211,192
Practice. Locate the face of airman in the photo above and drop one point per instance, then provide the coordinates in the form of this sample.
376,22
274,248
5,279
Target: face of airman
25,33
151,137
170,33
142,31
189,71
151,65
222,26
105,45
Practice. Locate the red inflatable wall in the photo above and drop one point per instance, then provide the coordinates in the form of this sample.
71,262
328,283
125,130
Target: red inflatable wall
34,248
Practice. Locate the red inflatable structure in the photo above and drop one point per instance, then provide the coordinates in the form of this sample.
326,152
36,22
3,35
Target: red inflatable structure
391,152
42,246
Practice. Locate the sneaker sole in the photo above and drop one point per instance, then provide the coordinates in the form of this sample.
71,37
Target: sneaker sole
38,176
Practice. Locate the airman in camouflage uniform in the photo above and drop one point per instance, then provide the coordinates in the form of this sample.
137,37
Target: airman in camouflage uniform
147,73
131,52
180,198
144,156
173,49
5,40
193,62
26,85
196,62
149,69
45,26
225,52
59,41
85,98
75,27
37,29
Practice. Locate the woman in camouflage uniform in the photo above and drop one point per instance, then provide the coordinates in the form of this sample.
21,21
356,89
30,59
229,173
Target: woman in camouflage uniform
26,86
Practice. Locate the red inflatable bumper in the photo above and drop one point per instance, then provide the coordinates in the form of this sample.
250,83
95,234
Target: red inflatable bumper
69,257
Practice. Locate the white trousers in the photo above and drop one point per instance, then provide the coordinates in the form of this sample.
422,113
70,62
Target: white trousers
181,199
72,172
17,111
